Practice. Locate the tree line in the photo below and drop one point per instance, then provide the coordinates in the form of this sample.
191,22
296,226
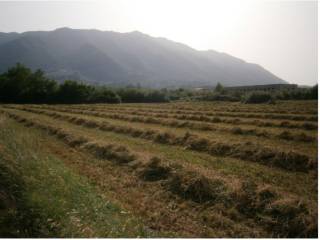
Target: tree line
20,84
222,94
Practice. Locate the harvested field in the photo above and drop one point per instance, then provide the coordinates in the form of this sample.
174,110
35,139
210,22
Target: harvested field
181,169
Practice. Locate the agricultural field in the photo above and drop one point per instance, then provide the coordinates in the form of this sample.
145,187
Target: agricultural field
180,169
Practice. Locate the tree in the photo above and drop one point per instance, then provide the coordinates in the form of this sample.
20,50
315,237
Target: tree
13,82
73,92
20,85
218,88
258,97
314,92
39,89
104,95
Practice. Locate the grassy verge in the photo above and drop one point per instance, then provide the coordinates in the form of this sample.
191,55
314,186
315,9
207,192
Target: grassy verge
41,197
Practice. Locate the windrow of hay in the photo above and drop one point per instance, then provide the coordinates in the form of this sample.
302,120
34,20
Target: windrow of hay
214,112
154,119
192,125
281,217
119,154
285,107
197,188
262,204
302,137
185,107
290,218
154,170
246,151
203,118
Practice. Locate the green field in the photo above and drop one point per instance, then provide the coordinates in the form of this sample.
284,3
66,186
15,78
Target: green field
181,169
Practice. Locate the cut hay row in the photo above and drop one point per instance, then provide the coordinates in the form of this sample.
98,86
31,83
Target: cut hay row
205,113
228,120
287,107
282,107
253,109
279,216
248,151
216,120
238,121
202,126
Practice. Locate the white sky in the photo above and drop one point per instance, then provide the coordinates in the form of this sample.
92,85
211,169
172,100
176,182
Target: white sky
281,36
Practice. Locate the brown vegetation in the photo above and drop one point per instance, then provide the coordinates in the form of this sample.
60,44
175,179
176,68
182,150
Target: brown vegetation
246,151
222,204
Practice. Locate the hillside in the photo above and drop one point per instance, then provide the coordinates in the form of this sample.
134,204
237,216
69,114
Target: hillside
119,59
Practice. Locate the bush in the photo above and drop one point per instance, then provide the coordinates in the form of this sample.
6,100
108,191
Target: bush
104,95
137,95
258,97
298,94
215,96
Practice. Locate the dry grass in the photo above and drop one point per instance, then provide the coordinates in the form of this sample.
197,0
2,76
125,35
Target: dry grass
303,137
204,114
247,151
181,195
174,119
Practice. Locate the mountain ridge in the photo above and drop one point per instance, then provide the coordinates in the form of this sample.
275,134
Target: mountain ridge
120,59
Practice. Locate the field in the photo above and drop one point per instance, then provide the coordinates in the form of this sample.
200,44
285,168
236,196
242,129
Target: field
181,169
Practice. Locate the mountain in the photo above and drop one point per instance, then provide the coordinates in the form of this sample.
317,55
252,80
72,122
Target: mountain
119,59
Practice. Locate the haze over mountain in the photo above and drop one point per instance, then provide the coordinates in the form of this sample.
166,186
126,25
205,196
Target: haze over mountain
120,59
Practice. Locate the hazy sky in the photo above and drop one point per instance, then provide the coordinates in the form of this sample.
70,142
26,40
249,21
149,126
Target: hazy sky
279,35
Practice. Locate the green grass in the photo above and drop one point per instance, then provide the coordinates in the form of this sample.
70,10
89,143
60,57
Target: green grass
42,197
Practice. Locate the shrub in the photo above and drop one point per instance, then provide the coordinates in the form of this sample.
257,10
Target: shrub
219,97
134,95
104,95
258,97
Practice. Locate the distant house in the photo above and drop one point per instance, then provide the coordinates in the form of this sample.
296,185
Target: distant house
268,87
